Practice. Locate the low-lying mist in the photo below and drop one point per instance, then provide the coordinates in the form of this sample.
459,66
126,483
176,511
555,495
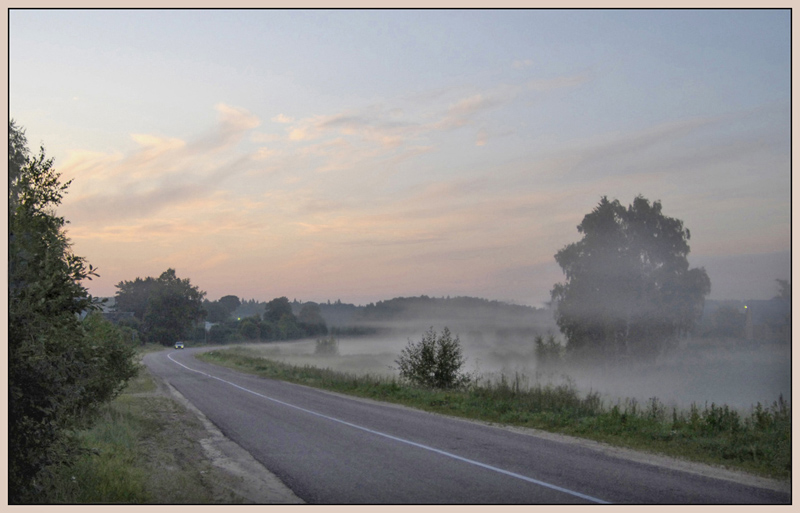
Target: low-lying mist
703,371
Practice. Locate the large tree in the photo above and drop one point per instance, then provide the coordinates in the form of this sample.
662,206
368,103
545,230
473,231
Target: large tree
215,312
629,291
277,308
167,305
133,296
311,319
59,368
221,310
230,303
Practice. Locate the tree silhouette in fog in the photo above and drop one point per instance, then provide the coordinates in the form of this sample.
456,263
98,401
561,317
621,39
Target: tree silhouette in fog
629,291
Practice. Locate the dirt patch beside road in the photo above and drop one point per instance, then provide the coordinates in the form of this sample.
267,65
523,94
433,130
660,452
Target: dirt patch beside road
228,472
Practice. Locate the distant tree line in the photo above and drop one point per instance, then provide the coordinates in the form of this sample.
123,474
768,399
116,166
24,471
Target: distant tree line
422,307
231,319
221,309
168,309
770,320
277,322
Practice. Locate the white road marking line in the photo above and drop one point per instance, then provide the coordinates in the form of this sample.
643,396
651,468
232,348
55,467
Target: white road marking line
402,440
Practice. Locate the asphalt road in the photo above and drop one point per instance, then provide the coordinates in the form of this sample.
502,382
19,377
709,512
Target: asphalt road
331,449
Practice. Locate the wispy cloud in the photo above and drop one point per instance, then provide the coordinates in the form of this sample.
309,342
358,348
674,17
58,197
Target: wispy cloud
234,119
233,124
396,130
374,125
282,118
482,138
165,173
162,172
463,111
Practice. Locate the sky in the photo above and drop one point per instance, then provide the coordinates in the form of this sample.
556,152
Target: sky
365,155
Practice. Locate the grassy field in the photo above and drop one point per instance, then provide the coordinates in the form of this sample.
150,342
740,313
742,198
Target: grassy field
143,450
758,442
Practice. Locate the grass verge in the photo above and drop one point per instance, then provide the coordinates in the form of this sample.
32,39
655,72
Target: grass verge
144,449
759,443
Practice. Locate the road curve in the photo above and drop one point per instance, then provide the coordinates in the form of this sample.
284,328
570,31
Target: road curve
332,449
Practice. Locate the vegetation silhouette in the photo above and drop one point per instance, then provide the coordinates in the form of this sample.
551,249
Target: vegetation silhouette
629,291
62,365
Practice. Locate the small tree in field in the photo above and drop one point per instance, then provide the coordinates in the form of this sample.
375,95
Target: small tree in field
433,362
548,352
327,346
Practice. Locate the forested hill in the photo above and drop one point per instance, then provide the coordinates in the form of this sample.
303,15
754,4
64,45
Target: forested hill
424,307
418,309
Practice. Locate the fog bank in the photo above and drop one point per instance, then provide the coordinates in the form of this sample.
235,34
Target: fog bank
702,371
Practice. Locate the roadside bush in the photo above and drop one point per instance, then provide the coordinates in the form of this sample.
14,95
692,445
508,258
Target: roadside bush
111,353
434,362
220,334
59,369
198,334
249,328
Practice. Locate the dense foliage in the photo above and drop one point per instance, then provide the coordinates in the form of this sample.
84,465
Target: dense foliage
311,321
434,362
222,309
629,291
277,309
167,306
271,321
59,368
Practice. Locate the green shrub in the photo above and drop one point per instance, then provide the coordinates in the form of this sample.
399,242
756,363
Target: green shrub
249,328
59,369
433,362
220,334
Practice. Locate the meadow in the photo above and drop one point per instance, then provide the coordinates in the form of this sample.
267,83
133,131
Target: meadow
675,412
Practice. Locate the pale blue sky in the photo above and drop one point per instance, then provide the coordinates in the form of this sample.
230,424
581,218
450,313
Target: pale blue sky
363,155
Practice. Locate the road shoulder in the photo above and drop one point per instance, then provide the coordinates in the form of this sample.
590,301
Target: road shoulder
244,476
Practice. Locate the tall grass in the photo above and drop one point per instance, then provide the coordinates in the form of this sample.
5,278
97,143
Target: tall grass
109,470
143,449
759,442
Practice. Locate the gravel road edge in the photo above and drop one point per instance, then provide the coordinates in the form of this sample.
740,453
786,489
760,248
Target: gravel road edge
250,479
